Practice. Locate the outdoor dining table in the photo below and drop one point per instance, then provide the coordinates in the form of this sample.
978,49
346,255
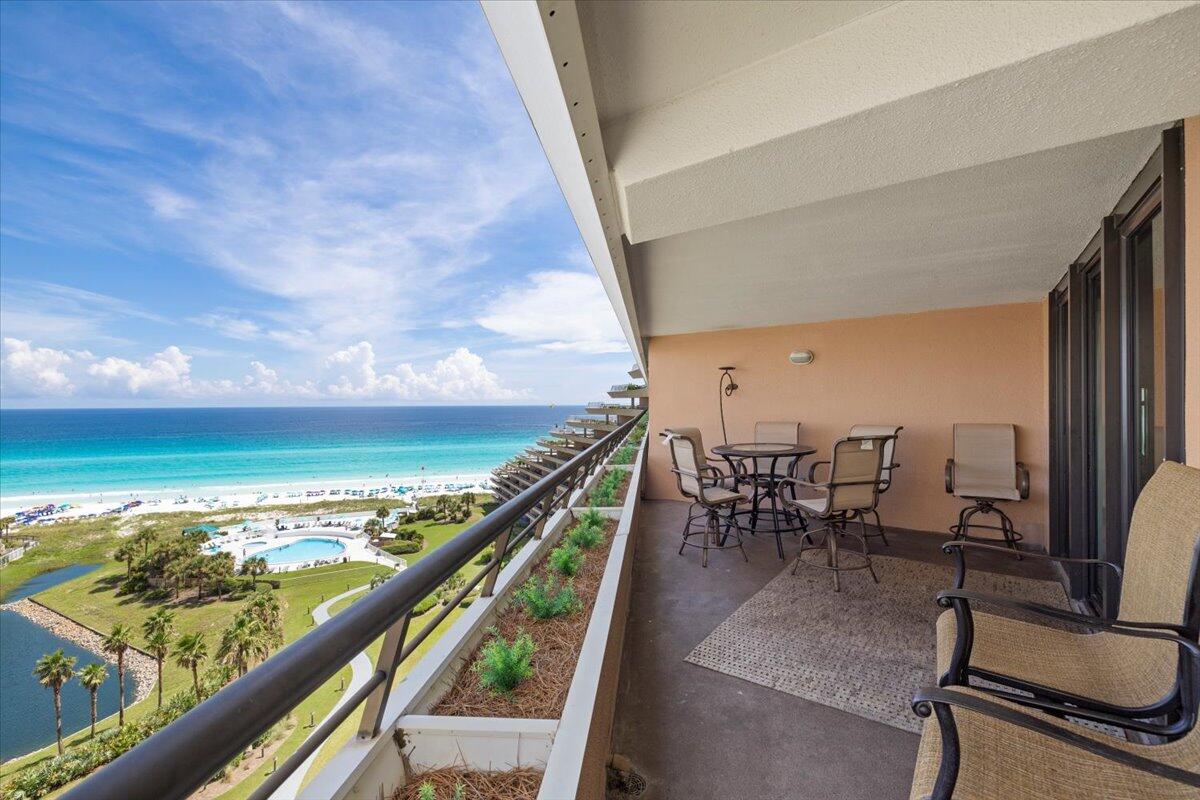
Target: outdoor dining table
765,483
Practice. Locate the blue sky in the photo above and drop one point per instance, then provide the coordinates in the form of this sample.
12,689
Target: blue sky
261,203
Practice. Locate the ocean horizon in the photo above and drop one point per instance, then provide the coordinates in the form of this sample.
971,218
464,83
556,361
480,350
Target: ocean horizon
48,453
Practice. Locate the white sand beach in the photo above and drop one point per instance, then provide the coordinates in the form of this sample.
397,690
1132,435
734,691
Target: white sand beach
223,498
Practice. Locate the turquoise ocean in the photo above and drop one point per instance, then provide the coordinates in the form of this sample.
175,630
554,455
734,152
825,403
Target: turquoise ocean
84,451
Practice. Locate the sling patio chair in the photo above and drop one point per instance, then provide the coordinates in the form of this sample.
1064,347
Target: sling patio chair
776,433
975,746
1115,675
985,471
889,465
707,488
852,488
769,473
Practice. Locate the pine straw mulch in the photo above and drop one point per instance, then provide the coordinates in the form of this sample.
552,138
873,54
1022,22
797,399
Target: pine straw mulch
622,490
558,640
517,784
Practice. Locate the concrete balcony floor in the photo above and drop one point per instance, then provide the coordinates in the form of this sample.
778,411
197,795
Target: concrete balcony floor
695,733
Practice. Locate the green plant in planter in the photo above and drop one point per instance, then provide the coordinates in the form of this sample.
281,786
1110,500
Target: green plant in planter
547,599
605,493
592,518
566,559
501,665
585,536
426,791
624,455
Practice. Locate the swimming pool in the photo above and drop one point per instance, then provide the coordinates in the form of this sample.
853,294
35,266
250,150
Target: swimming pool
308,549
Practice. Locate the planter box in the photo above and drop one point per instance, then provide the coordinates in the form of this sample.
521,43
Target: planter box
612,512
572,750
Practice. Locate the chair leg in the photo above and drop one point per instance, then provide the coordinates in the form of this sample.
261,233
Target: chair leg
960,531
687,526
970,512
866,555
1006,527
737,532
832,560
725,530
879,527
710,525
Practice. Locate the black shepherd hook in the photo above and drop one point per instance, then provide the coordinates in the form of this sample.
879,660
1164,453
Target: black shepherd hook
725,390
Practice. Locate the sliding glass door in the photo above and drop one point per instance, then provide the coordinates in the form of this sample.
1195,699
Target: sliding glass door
1148,348
1116,383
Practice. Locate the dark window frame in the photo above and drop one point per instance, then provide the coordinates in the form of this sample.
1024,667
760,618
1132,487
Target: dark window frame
1158,189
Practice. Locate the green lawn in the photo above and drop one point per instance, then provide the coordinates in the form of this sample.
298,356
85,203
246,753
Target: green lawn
92,600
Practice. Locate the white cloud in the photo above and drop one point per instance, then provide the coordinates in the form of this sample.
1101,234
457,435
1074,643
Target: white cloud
383,203
165,373
558,310
35,370
168,204
462,375
264,381
351,373
63,315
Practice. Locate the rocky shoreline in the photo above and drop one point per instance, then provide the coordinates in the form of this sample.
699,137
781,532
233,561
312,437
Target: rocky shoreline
138,665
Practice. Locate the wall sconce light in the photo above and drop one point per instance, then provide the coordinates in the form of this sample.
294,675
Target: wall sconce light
725,388
801,357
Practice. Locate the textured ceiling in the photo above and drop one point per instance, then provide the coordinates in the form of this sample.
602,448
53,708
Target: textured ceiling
777,163
753,164
912,90
1003,232
651,51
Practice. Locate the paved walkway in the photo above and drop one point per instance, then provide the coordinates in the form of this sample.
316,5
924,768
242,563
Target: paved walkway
361,667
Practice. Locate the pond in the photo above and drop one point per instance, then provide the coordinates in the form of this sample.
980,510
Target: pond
27,713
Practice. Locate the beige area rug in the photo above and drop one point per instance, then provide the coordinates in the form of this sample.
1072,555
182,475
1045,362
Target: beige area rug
865,650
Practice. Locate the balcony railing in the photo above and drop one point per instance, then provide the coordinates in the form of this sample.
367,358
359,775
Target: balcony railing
185,755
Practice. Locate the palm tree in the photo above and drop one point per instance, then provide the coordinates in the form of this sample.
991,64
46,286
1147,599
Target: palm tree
157,644
381,514
53,670
177,574
198,569
371,528
117,642
241,641
220,567
91,677
190,653
144,537
255,566
158,629
127,552
265,607
161,620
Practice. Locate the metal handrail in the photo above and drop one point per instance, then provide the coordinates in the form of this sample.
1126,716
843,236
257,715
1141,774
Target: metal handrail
183,756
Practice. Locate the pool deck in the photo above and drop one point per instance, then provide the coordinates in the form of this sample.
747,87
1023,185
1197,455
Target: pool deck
357,548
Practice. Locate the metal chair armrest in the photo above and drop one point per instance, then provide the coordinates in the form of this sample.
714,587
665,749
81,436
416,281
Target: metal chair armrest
807,484
1164,631
949,476
959,670
1022,480
931,700
812,470
959,549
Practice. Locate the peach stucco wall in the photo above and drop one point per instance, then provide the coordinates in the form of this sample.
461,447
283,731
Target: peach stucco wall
923,371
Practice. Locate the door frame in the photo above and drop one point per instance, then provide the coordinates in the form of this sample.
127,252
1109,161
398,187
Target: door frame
1158,188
